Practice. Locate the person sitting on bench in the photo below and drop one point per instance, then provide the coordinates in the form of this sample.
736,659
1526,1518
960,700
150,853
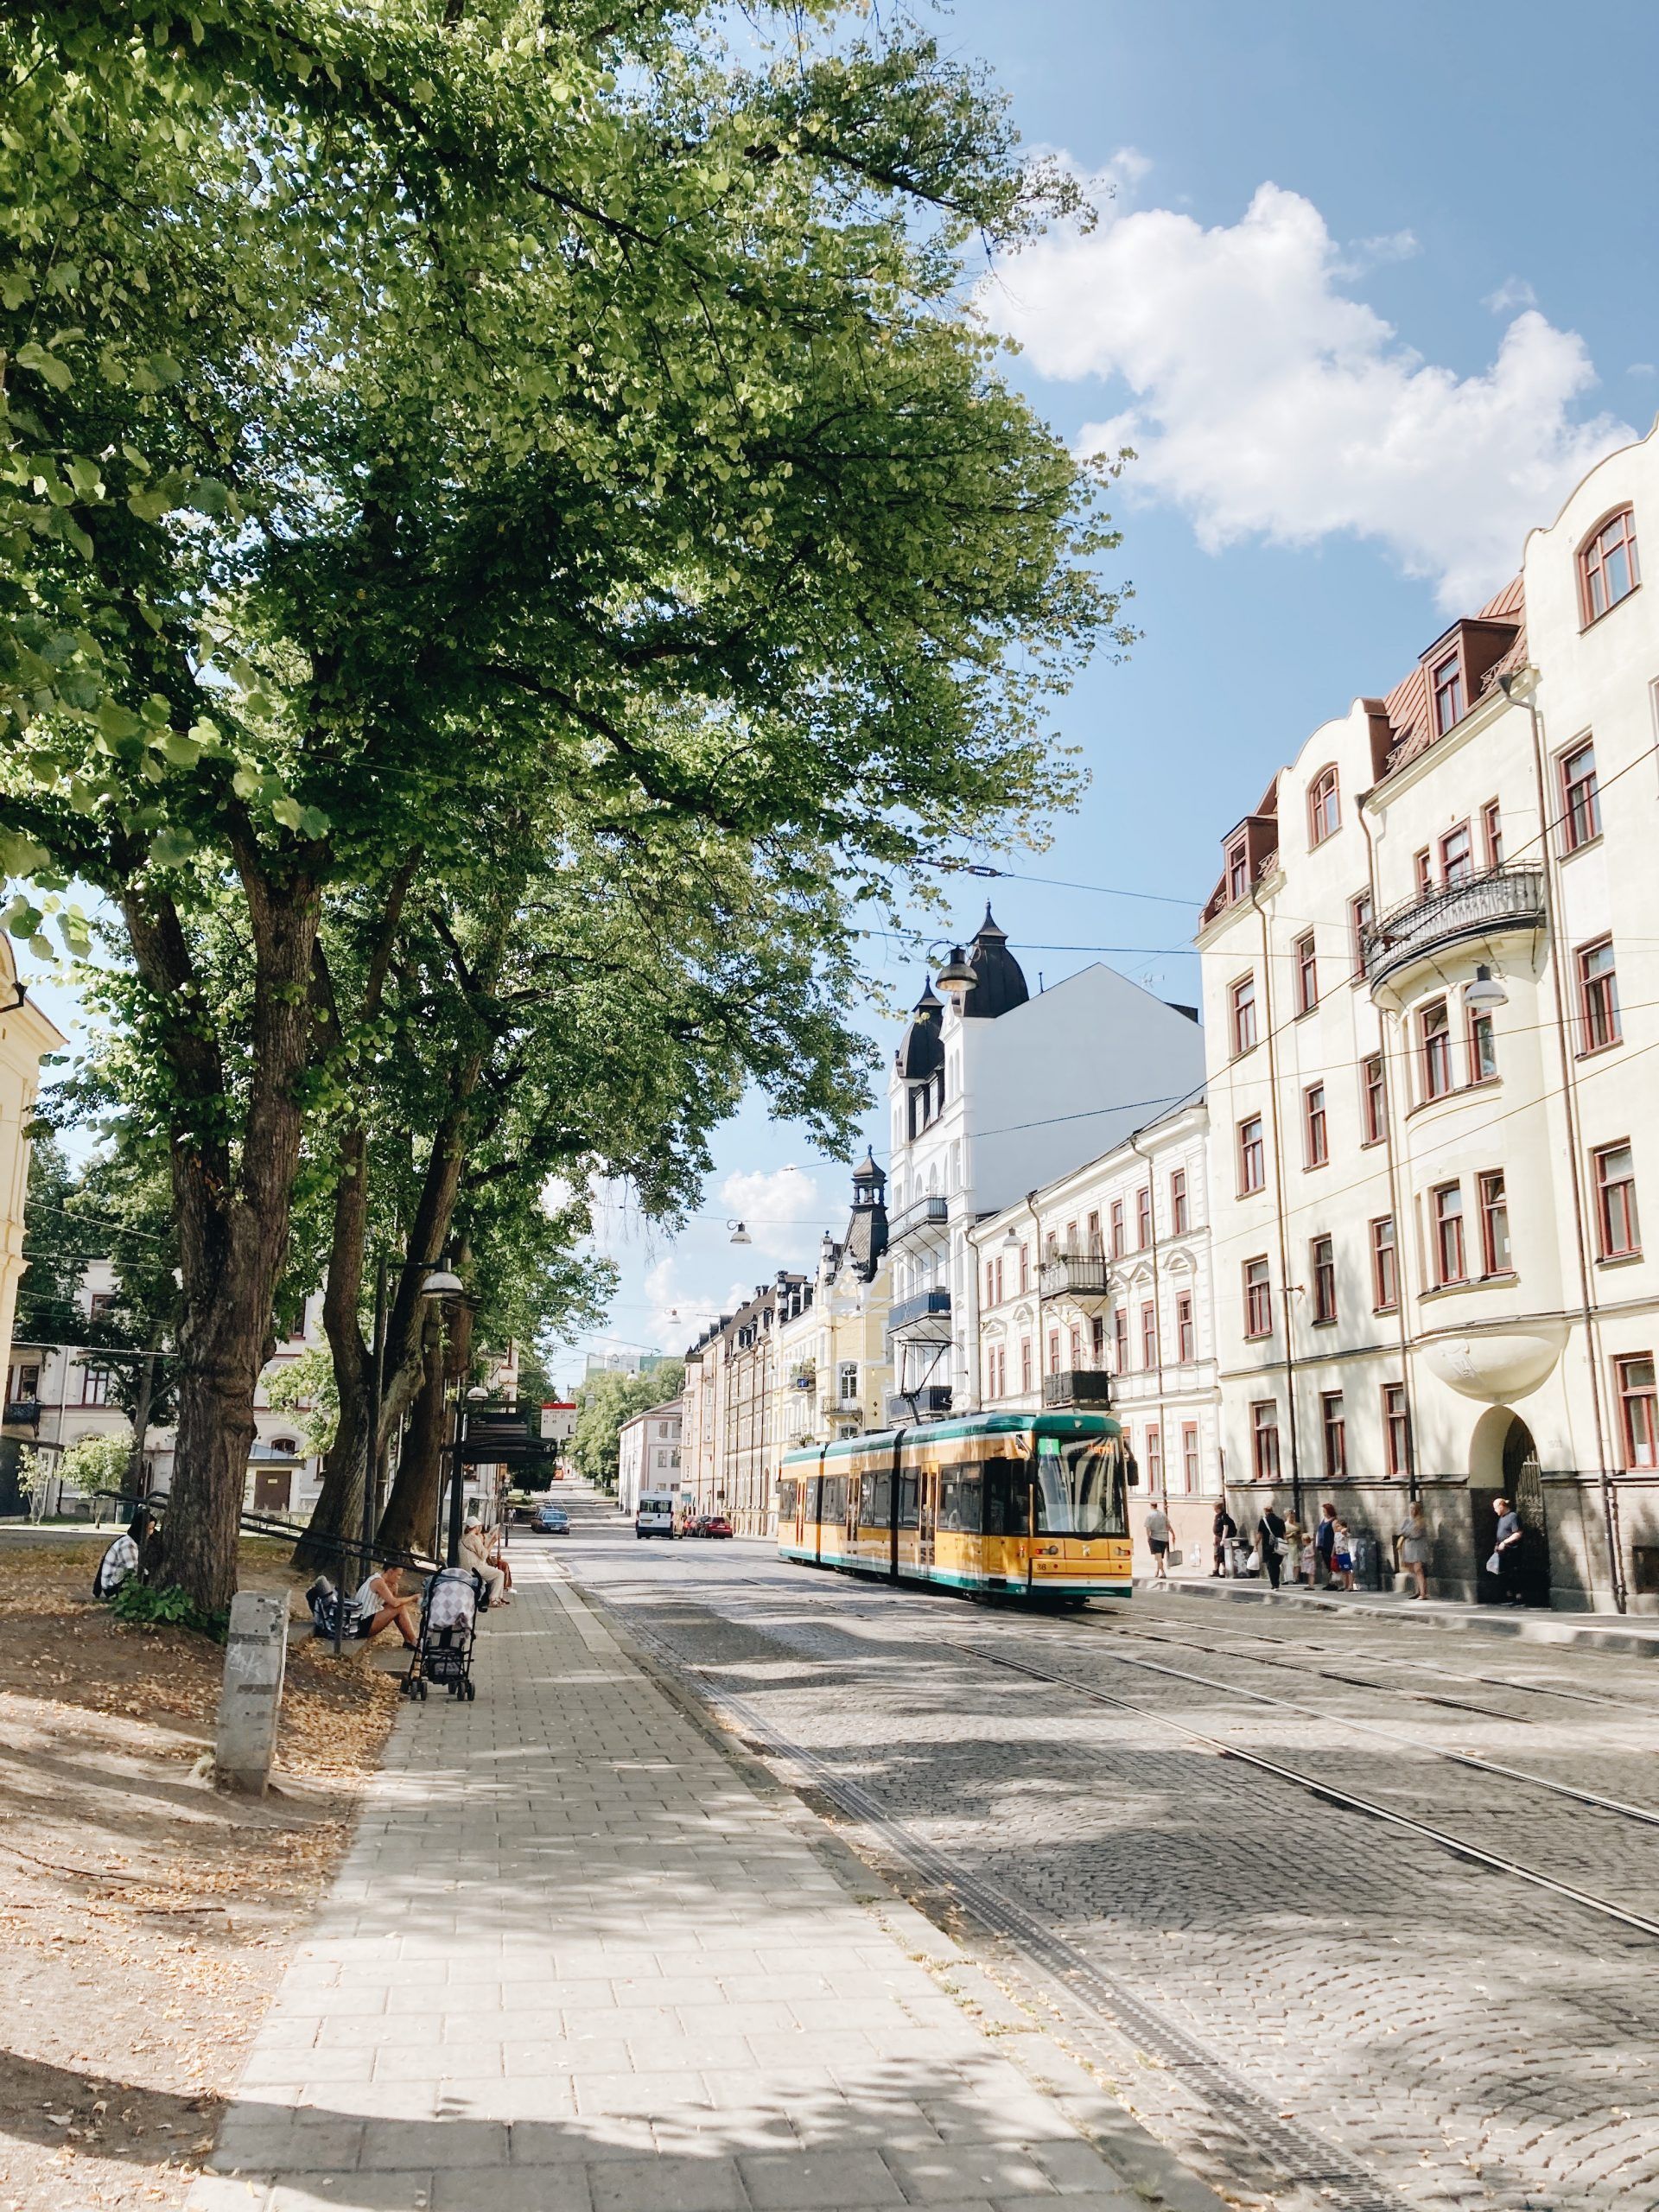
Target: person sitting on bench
475,1554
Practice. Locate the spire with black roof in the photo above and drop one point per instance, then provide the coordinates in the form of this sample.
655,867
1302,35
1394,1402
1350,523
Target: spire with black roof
1002,982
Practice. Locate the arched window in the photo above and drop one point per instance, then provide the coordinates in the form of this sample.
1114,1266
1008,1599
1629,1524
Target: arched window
1324,807
285,1447
1607,565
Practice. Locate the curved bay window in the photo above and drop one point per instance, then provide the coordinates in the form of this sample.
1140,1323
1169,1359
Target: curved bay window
1607,565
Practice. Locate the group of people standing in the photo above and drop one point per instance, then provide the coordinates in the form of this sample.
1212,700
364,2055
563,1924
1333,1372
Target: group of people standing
1325,1556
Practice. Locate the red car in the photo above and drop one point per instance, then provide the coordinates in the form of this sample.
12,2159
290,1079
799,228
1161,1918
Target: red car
710,1524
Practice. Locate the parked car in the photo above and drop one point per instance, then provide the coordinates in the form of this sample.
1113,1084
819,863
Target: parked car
552,1521
709,1525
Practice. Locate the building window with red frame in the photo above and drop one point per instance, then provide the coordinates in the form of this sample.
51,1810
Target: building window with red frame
1324,807
1258,1299
1242,1014
1189,1457
1025,1365
1447,1205
1143,1217
1155,1460
1373,1101
1186,1331
1482,1046
1333,1429
1053,1352
1495,1258
1252,1156
1091,1228
1597,997
1397,1430
1120,1239
1446,684
1322,1266
1264,1441
1121,1342
1422,866
1608,570
991,1390
1457,856
1385,1266
1308,974
1580,798
1180,1219
1098,1340
1316,1135
1491,834
1148,1336
990,1282
1359,920
1025,1266
1638,1412
1618,1233
1077,1345
95,1386
1238,870
1434,1038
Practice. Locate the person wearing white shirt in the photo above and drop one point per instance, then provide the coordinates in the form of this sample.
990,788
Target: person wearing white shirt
1157,1538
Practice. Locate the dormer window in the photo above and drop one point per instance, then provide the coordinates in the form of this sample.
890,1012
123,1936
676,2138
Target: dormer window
1324,807
1607,565
1446,682
1238,870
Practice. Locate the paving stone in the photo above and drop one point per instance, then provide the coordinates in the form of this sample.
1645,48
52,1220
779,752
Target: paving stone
809,2182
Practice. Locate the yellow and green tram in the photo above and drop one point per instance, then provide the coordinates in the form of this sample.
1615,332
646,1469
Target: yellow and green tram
1014,1506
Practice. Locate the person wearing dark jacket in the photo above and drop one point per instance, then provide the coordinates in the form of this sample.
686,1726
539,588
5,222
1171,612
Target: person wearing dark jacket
1325,1537
1269,1536
1225,1528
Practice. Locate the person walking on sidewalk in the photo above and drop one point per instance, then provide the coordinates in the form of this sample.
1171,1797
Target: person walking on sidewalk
1324,1541
1226,1529
1413,1533
1270,1540
1508,1550
1157,1538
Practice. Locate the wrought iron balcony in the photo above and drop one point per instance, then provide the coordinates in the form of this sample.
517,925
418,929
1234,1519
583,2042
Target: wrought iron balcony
1073,1275
926,1315
1498,900
918,1219
929,1403
1077,1386
23,1412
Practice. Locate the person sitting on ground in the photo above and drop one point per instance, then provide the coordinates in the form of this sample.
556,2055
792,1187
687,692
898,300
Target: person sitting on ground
380,1604
475,1554
125,1555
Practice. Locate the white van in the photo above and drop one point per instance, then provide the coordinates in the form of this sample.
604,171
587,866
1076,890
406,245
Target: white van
656,1515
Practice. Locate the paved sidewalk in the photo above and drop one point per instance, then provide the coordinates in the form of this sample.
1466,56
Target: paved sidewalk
574,1962
1633,1635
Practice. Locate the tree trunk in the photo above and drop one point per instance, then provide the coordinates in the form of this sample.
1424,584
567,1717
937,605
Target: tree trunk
218,1374
411,1510
338,1507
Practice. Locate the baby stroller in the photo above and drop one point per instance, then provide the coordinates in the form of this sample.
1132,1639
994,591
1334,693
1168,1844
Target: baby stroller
449,1627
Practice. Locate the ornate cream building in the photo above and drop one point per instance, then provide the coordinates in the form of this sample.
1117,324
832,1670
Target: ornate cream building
1432,999
833,1370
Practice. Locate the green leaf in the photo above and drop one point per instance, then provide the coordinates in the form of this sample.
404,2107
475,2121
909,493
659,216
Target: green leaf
19,856
288,811
116,722
182,752
57,373
171,848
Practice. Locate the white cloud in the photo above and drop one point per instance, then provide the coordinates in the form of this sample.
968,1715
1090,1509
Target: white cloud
1266,402
1376,253
784,1211
1513,292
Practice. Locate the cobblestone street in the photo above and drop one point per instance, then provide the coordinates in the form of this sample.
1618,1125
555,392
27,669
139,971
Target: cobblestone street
1367,1911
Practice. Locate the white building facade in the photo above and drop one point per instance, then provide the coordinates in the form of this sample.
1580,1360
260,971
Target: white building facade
1096,1292
1431,995
648,1454
991,1094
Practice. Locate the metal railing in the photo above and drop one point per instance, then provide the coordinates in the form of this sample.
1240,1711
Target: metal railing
922,1213
1077,1386
1498,898
933,1399
926,1306
1073,1275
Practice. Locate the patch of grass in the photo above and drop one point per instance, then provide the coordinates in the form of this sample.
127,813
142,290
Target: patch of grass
136,1602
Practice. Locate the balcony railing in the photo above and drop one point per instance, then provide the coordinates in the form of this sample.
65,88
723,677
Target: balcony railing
929,1403
1498,900
926,1315
1073,1275
1077,1386
23,1412
917,1219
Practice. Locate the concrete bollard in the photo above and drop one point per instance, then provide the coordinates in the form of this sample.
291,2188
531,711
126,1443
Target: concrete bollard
256,1656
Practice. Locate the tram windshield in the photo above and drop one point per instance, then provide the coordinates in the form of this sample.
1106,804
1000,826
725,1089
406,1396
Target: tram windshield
1080,1486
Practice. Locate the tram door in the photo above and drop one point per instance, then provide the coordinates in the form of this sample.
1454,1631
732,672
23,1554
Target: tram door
927,1514
801,1490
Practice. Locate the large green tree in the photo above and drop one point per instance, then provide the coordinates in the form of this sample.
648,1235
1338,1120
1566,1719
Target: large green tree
604,1401
422,412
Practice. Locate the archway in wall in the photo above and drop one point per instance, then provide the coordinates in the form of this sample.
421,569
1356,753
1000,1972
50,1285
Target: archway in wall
1503,1462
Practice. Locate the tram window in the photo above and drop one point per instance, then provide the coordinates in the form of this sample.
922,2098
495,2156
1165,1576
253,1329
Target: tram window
834,1498
959,1500
1006,1486
1080,1487
908,1515
877,1502
786,1501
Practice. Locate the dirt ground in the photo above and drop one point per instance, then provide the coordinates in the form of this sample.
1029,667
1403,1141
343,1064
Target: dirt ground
145,1918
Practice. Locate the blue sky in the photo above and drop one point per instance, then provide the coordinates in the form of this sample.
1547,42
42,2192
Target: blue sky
1353,393
1374,285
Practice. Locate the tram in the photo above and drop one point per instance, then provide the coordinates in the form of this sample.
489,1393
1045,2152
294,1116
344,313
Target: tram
1031,1506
